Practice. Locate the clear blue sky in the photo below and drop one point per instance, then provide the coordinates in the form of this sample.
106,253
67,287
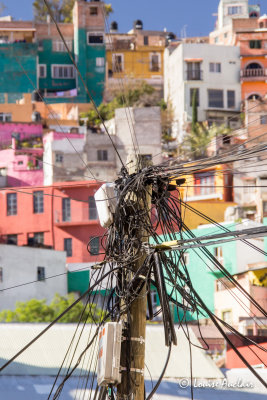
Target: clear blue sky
196,15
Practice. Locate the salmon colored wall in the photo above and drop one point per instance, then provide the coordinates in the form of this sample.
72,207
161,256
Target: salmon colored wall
25,222
233,361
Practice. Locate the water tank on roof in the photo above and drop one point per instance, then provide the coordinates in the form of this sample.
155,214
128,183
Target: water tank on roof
138,24
114,27
170,36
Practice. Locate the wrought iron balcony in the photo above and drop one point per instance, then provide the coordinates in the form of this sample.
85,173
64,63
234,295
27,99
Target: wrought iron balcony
194,75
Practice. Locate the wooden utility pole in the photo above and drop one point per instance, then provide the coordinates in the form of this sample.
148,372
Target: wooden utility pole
132,384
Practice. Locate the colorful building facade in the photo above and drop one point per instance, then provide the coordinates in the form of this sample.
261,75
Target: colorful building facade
62,217
33,57
135,56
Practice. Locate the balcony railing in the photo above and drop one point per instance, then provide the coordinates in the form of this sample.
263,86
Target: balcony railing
253,73
194,75
76,216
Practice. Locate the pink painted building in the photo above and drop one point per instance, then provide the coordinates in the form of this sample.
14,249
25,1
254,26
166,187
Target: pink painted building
24,131
22,166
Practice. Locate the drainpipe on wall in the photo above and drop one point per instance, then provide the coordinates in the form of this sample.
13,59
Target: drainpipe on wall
52,219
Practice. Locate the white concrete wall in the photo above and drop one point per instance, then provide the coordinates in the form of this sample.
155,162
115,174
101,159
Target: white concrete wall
20,266
223,17
177,87
139,128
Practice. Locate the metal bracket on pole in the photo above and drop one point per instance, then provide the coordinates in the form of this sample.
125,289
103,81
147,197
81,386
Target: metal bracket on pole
139,371
135,339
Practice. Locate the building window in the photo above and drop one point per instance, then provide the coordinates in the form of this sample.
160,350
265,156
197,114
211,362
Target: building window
1,274
255,44
38,202
63,72
38,238
68,247
154,62
204,183
66,209
230,98
100,61
263,119
249,186
11,203
215,67
5,117
145,40
92,208
227,316
215,98
154,298
12,239
218,254
95,38
117,62
264,206
233,10
102,155
194,72
59,158
93,10
192,90
58,45
94,246
42,70
40,273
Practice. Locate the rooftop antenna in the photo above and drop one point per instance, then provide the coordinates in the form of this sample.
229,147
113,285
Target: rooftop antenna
183,32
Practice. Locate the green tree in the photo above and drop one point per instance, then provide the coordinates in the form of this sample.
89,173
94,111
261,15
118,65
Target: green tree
138,94
197,141
194,110
38,311
62,10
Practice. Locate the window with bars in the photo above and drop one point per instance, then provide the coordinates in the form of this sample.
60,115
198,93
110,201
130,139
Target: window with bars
93,10
102,155
63,72
94,245
38,238
5,117
215,98
117,62
255,44
263,119
38,202
204,183
11,203
68,246
40,273
58,45
215,67
92,208
230,98
233,10
154,62
59,157
100,61
66,209
42,70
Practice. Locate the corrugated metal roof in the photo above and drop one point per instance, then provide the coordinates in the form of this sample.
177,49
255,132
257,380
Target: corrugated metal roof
45,356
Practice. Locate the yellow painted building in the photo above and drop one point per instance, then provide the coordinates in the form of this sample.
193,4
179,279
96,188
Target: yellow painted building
136,55
208,191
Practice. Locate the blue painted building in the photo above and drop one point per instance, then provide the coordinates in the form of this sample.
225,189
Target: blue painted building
33,57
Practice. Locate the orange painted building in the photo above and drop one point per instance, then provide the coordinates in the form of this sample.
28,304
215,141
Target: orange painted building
253,52
62,216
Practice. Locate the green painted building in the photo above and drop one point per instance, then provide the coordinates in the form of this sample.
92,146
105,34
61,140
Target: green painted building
33,57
